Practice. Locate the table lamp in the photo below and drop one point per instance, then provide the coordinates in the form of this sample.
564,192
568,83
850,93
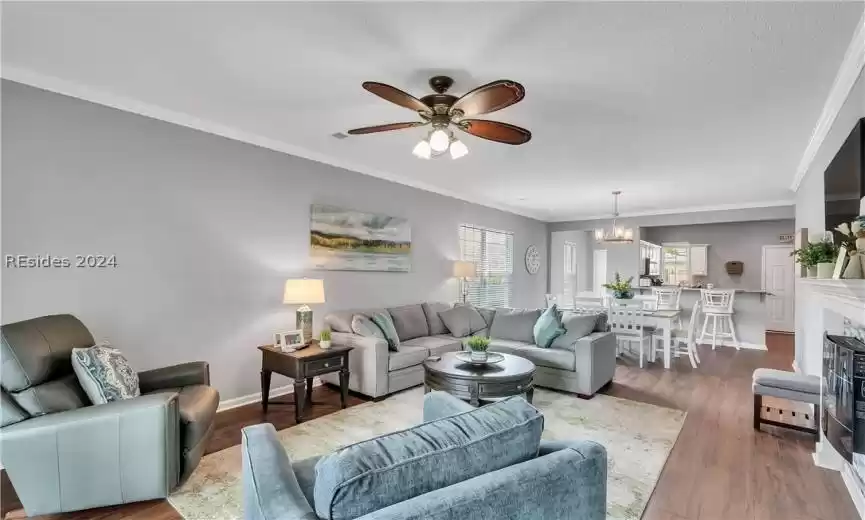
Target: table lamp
464,270
304,292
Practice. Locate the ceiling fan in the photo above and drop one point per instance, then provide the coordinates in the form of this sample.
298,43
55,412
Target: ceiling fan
441,110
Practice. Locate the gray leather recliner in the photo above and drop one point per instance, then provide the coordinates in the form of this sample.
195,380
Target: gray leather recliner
64,454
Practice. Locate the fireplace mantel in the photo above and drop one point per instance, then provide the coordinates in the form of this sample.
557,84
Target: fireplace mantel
826,303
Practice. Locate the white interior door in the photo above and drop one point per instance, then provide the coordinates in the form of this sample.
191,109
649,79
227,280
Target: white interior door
778,279
600,271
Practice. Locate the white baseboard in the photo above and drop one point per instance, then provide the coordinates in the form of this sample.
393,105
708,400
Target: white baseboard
243,400
853,488
728,343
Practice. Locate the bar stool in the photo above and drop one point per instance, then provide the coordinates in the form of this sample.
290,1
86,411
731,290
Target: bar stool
717,306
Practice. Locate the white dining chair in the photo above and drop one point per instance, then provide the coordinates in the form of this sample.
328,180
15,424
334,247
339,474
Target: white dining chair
628,322
684,341
668,299
717,307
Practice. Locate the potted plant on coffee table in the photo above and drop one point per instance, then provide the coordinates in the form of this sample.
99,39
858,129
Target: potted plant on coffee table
478,346
621,288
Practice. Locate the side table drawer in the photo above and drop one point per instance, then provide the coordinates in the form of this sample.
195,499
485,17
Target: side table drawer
323,366
503,389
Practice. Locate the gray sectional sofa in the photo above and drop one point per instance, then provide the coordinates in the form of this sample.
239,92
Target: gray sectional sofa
580,362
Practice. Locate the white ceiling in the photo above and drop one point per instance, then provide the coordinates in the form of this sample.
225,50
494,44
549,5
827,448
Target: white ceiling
681,105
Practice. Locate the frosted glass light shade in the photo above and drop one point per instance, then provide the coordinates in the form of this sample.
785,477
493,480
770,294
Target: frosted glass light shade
439,140
458,149
463,269
599,234
422,150
303,291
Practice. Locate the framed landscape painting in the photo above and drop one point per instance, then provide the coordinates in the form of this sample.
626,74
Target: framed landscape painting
347,240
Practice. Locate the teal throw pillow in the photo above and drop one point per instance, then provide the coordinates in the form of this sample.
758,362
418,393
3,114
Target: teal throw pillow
385,323
363,326
548,328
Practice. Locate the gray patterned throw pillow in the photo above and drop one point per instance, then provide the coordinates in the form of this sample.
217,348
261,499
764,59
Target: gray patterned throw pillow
104,374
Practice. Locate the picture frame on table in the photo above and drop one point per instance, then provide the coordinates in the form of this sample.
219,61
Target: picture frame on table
840,263
290,340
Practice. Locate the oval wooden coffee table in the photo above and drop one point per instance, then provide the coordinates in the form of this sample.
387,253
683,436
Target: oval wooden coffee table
472,383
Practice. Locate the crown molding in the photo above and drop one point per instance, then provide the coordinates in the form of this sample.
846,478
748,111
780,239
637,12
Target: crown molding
683,210
851,67
134,106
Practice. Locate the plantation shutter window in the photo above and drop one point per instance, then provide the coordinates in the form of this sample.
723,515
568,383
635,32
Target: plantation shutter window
493,253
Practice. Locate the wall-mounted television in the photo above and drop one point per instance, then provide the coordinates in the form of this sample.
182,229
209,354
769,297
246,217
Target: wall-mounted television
844,179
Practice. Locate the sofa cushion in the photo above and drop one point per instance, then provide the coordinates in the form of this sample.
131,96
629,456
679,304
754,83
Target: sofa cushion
10,412
576,326
59,395
38,350
515,324
385,323
364,326
431,310
409,321
373,474
340,321
104,374
437,345
507,346
548,327
462,320
406,356
563,359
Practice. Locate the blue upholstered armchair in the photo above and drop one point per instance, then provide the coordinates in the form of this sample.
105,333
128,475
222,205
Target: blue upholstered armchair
564,480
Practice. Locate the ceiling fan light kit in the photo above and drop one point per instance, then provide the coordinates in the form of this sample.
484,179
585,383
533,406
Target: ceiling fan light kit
617,234
442,110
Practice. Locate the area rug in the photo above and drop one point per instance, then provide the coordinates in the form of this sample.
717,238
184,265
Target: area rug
638,438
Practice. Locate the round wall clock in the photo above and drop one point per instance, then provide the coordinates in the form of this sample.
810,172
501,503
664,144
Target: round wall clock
533,260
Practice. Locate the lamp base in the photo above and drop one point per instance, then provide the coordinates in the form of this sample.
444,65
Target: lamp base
303,321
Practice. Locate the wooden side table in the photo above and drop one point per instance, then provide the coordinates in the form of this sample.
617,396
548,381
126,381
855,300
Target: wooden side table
302,365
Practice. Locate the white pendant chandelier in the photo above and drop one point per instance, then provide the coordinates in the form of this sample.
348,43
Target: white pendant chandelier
437,143
617,234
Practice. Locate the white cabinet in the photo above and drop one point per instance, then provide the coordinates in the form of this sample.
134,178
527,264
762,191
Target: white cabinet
699,255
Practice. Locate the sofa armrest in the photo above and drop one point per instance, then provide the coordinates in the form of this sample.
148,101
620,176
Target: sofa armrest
128,450
184,374
270,488
438,405
568,481
596,359
368,363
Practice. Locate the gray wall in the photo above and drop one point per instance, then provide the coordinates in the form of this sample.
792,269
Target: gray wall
741,241
205,229
810,214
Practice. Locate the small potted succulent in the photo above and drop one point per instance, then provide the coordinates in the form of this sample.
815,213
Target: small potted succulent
621,288
478,346
324,339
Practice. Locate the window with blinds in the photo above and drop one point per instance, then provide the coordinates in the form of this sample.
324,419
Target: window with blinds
493,253
569,291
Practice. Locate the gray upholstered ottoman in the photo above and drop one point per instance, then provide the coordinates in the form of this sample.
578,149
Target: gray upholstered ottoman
786,385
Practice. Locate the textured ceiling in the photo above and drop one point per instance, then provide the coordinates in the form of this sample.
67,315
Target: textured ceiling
680,105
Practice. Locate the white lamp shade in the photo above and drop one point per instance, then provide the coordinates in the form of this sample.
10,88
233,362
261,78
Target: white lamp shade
422,150
439,140
303,291
458,149
463,269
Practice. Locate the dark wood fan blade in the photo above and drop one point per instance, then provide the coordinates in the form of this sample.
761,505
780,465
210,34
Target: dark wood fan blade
397,96
495,131
385,128
490,97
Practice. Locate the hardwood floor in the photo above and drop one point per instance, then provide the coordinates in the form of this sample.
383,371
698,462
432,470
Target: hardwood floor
719,469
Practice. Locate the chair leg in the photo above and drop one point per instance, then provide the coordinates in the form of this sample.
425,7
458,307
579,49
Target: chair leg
758,405
691,355
705,329
642,355
714,331
696,352
733,333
